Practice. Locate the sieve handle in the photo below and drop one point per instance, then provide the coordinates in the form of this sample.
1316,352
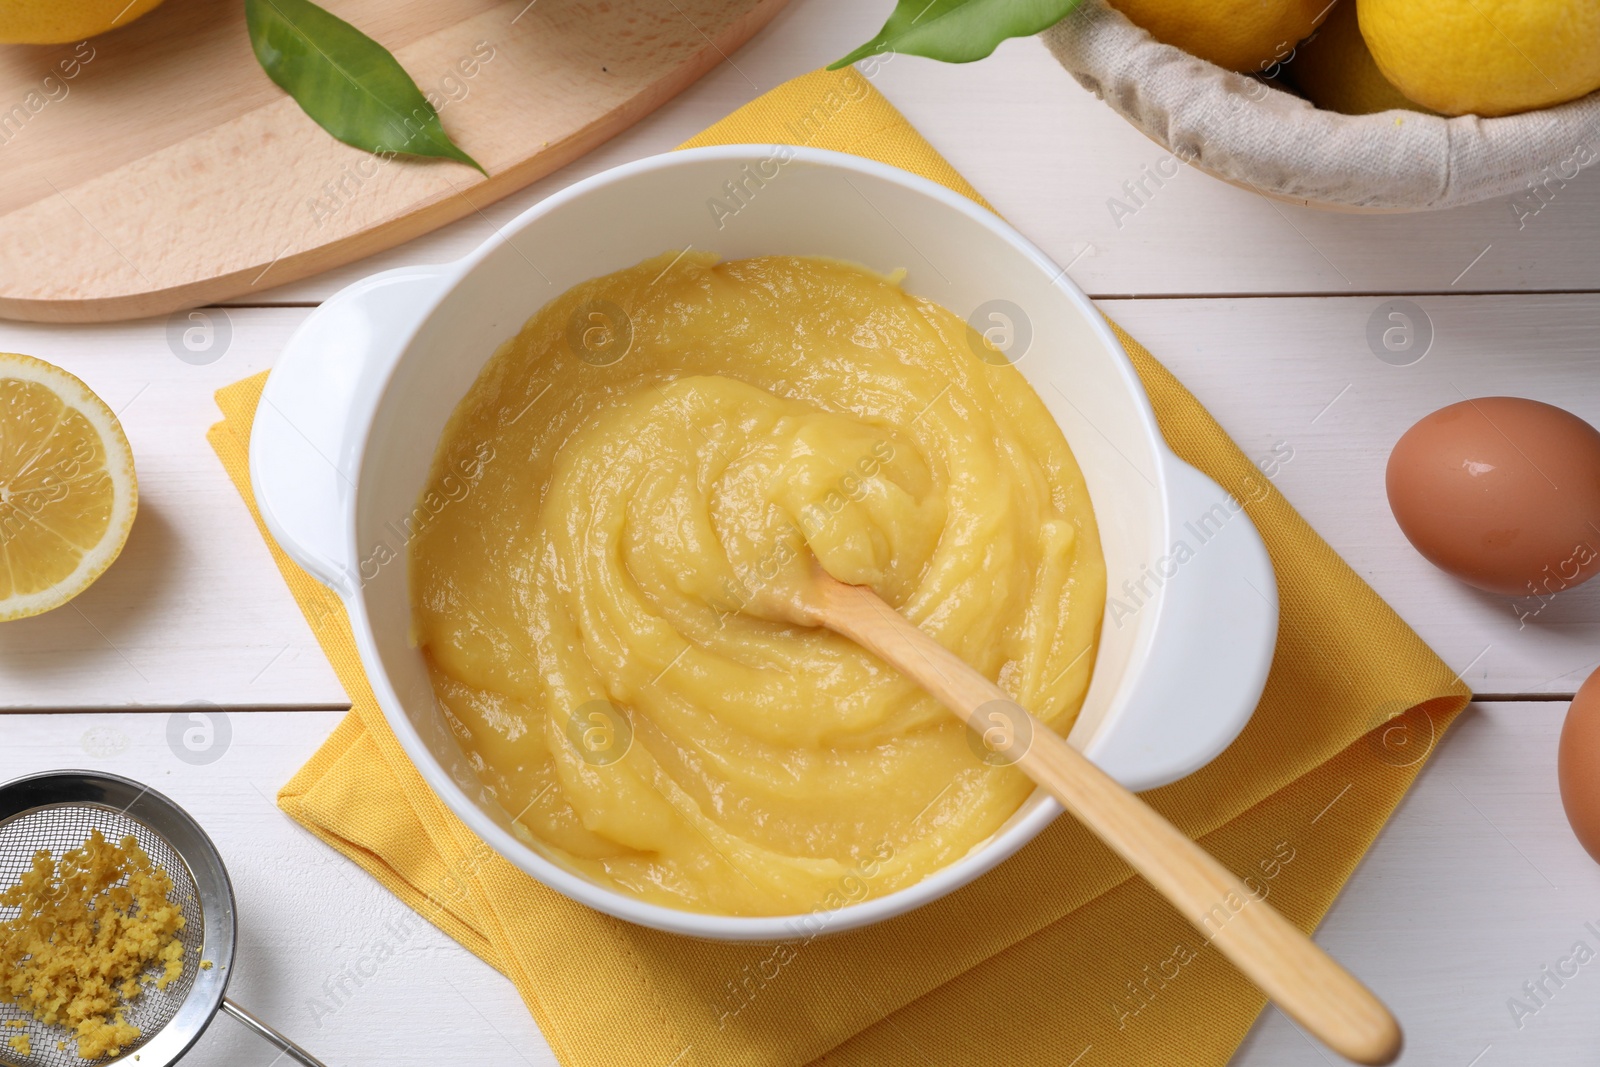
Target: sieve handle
270,1034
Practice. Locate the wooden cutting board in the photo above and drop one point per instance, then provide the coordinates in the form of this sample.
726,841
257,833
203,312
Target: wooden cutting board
156,167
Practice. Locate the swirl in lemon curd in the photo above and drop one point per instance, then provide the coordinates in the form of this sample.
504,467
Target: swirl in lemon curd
671,443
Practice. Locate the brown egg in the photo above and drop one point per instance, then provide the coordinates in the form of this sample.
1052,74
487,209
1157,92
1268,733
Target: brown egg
1578,765
1503,493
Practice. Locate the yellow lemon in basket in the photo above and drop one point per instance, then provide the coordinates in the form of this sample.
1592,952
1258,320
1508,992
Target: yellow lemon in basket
1247,35
1336,72
67,489
1485,57
61,21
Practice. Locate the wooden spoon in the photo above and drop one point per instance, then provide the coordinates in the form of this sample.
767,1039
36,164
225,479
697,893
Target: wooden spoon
1303,980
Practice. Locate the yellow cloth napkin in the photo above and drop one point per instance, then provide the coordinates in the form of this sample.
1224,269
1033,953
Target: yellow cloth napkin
1058,951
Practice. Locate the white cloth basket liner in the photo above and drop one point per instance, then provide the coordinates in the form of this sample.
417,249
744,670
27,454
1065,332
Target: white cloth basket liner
1249,133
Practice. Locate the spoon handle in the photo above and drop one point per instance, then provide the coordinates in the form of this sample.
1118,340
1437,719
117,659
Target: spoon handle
1305,982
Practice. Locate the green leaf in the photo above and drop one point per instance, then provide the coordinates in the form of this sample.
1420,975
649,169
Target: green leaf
959,31
346,81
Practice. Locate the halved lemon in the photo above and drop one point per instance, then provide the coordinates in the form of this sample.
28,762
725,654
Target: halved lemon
67,489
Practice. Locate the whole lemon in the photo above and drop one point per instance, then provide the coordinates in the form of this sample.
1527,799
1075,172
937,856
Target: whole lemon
1246,35
1336,72
62,21
1485,57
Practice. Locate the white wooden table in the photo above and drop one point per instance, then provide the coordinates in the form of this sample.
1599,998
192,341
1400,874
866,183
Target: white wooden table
1261,309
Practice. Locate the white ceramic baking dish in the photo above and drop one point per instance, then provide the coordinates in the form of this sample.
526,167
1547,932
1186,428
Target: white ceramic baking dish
354,408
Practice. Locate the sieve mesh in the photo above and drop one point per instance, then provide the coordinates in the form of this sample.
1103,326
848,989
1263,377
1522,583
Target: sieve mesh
58,828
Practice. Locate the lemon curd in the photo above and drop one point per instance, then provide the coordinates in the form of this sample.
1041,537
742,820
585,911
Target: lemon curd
673,444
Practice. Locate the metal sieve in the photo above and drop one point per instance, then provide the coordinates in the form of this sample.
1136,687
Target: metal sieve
56,811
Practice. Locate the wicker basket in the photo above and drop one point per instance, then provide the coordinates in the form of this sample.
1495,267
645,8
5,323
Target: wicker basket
1242,130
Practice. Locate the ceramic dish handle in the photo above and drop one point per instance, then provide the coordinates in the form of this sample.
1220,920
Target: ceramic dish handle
314,411
1216,600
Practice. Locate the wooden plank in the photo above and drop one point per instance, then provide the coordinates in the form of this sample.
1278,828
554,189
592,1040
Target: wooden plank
196,610
125,198
193,609
1300,372
1475,884
1051,157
